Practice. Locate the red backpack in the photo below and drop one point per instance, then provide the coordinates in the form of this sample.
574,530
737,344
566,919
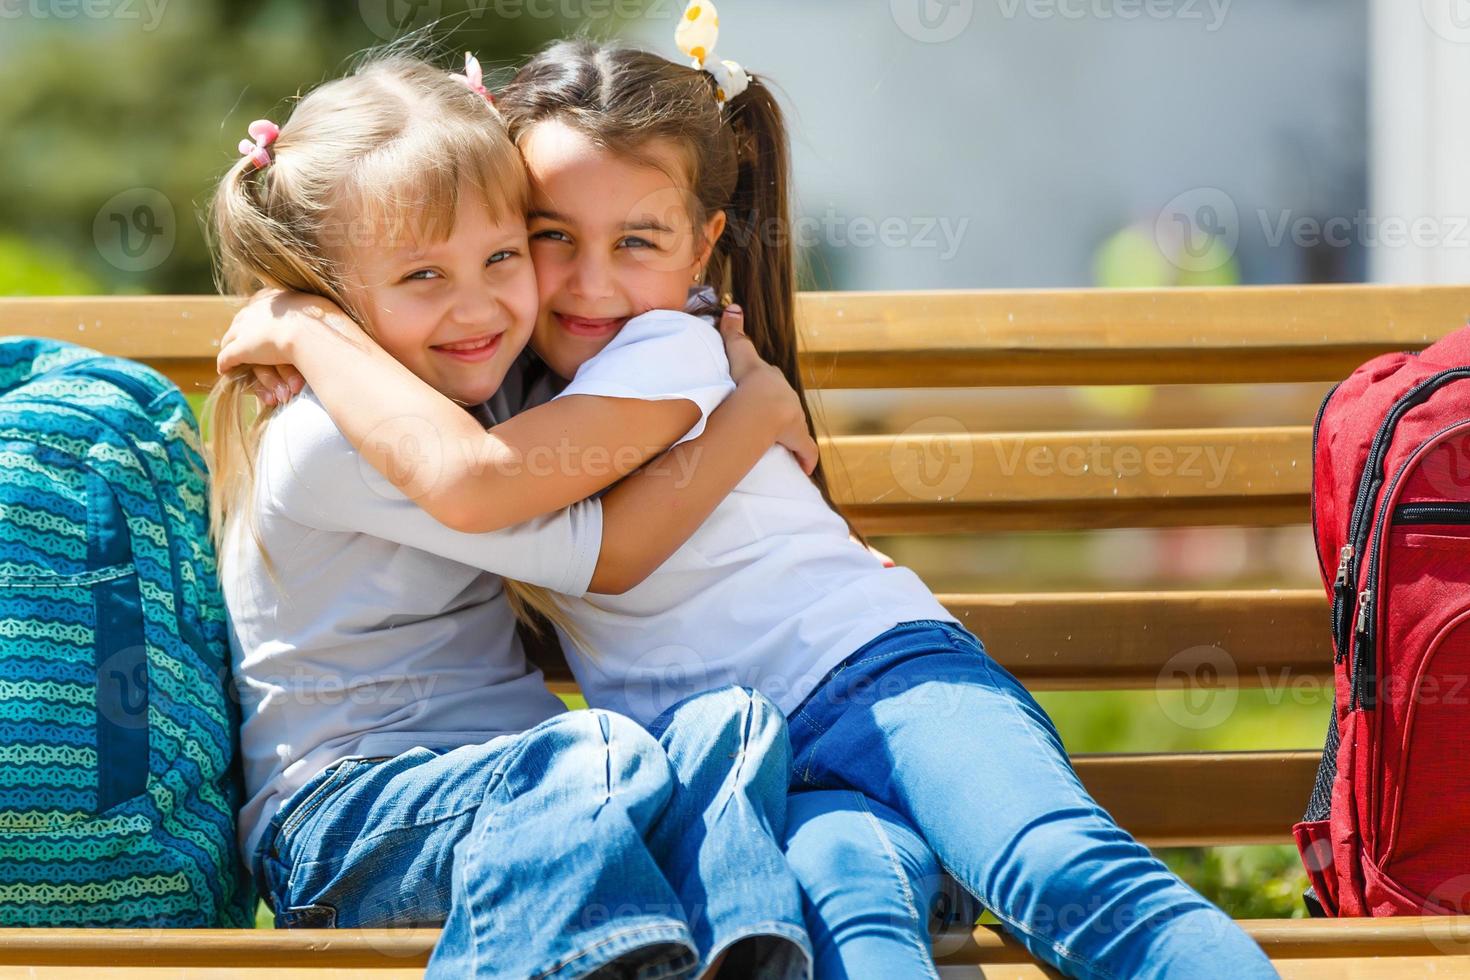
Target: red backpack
1387,831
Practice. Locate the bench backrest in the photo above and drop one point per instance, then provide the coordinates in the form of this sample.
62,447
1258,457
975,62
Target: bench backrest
922,482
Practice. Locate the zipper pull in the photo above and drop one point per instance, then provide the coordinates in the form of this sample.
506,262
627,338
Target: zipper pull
1344,563
1365,607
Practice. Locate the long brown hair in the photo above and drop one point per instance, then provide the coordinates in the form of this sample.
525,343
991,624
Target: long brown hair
380,153
737,160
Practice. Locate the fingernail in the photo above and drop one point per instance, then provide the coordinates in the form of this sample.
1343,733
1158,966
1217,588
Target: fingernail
267,397
283,393
734,310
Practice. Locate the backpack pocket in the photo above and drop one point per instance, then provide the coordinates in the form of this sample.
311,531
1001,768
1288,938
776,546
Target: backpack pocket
73,673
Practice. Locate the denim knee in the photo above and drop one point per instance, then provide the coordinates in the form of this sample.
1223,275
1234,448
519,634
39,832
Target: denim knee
741,712
598,750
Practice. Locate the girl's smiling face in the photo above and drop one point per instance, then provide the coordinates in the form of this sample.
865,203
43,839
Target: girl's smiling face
611,238
455,312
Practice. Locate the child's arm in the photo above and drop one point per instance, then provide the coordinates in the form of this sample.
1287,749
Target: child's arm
435,452
650,515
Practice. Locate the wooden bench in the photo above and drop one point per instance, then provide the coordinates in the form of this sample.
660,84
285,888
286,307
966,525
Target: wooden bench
963,482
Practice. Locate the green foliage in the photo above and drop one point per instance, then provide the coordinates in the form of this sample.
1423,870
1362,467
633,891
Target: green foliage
1247,882
36,270
102,107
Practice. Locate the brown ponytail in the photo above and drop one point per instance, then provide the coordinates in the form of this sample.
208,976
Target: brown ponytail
738,161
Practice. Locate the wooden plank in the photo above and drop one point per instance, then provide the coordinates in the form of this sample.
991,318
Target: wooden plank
1297,939
935,339
1343,967
1132,640
1089,336
178,335
1122,640
949,482
1180,800
1299,948
1431,945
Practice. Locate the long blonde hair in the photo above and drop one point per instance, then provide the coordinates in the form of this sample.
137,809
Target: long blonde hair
381,152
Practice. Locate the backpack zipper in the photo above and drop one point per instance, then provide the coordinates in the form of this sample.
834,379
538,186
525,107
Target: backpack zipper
1446,513
1364,632
1359,525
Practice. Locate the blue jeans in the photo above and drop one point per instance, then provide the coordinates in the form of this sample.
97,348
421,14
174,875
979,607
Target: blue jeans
924,723
871,886
584,846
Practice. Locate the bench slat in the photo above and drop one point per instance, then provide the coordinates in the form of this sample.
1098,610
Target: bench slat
1131,640
1096,337
1405,946
1177,800
973,338
945,483
1123,640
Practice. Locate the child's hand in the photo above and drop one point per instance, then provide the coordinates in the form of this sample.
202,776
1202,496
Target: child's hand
261,336
749,371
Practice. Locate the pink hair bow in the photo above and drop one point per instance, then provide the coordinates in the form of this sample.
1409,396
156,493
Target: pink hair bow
473,78
263,133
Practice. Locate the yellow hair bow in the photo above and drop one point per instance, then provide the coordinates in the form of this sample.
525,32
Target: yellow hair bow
696,36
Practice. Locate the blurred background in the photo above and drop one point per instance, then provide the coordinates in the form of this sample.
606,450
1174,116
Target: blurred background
939,144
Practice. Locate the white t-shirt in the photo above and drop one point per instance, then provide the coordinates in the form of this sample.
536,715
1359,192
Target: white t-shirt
771,592
383,629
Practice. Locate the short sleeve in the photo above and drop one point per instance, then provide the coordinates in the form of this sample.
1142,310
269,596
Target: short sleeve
311,474
660,356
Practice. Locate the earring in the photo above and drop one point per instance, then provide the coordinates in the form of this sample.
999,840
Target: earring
699,276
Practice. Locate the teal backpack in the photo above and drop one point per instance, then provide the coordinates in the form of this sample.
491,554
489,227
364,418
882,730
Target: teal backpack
119,771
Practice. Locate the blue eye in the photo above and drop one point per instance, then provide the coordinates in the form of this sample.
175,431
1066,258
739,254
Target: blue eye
501,256
421,275
635,242
551,236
